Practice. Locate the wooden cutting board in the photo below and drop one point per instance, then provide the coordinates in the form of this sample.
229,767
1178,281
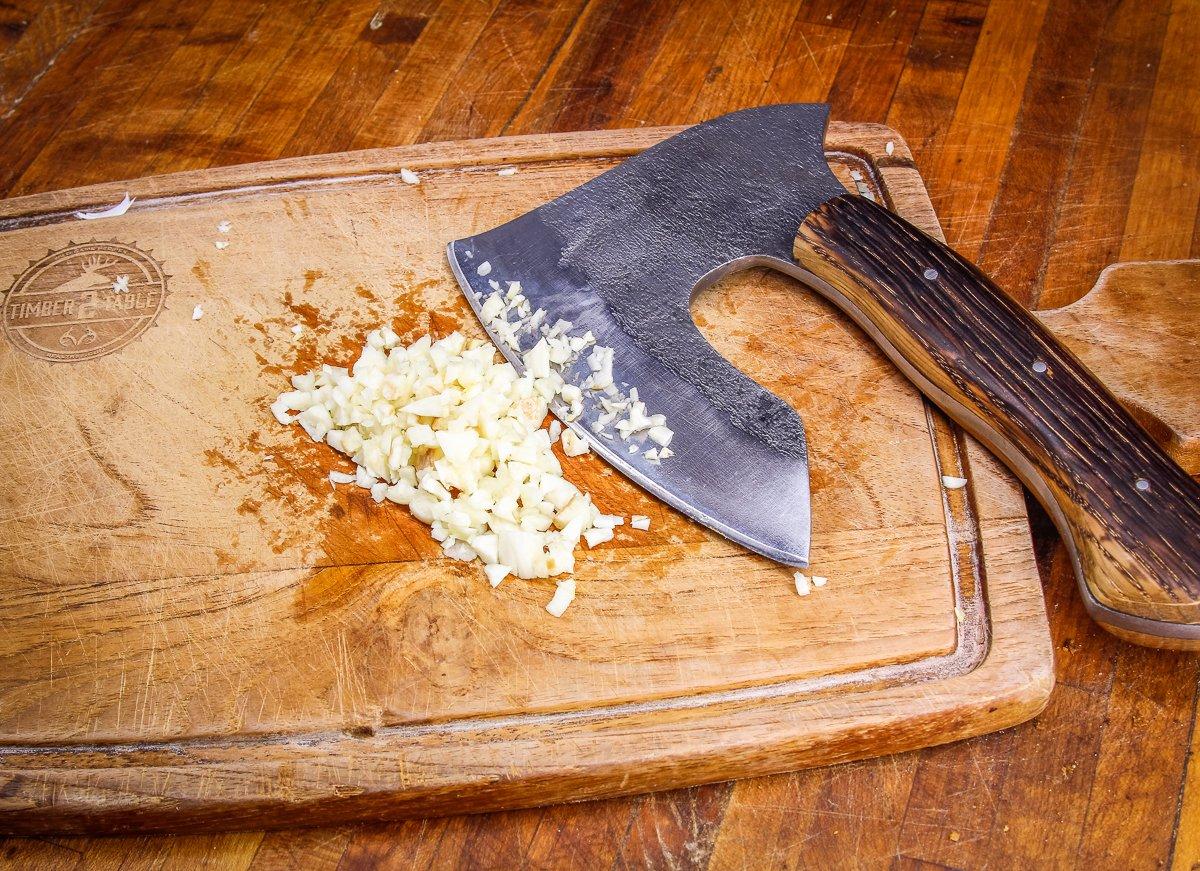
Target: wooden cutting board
197,631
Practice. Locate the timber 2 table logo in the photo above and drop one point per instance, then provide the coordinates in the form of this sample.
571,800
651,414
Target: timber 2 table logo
84,301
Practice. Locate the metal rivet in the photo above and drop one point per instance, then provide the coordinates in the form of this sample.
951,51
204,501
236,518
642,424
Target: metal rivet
1142,484
931,273
1039,366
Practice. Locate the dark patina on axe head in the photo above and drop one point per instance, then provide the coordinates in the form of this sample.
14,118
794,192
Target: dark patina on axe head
624,254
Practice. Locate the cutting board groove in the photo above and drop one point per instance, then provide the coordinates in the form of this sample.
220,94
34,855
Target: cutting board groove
197,632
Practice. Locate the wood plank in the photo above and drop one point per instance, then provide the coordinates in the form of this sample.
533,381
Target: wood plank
874,61
964,176
1047,130
197,132
134,74
1185,851
32,36
497,76
365,73
744,69
430,67
1152,697
676,829
1165,197
289,92
1094,196
302,850
678,67
33,123
590,78
935,68
805,73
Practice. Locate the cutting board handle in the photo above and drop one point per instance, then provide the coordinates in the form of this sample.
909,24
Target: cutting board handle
1129,515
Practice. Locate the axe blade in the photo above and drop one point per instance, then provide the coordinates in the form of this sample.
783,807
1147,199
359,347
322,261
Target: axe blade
624,255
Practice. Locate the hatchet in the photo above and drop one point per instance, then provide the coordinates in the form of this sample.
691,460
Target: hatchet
624,255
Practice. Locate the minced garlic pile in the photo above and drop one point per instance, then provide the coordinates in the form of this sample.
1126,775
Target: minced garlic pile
445,429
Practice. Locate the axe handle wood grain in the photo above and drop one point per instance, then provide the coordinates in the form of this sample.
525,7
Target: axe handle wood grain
1129,515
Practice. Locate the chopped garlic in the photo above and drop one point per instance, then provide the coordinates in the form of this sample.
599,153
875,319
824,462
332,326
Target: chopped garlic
660,434
484,268
197,313
341,478
121,284
507,171
819,581
221,244
279,408
448,431
600,362
564,594
890,148
639,521
492,307
224,227
802,586
952,483
597,536
537,360
297,330
555,429
574,445
496,573
636,421
408,176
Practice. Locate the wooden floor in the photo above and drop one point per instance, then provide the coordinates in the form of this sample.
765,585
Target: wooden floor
1055,136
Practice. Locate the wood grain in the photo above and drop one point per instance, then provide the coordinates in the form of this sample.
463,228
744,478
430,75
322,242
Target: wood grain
900,810
1130,514
426,684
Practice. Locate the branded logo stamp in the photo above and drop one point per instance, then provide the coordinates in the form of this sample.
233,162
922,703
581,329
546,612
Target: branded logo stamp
84,301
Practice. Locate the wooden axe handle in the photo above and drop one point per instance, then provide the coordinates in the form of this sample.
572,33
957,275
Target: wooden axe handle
1129,515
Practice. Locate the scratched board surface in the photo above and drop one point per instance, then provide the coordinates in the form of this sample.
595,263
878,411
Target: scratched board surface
197,630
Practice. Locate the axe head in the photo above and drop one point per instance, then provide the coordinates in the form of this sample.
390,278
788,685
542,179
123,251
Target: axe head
623,256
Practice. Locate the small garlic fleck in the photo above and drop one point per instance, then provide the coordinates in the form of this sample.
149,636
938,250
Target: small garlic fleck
408,176
197,313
